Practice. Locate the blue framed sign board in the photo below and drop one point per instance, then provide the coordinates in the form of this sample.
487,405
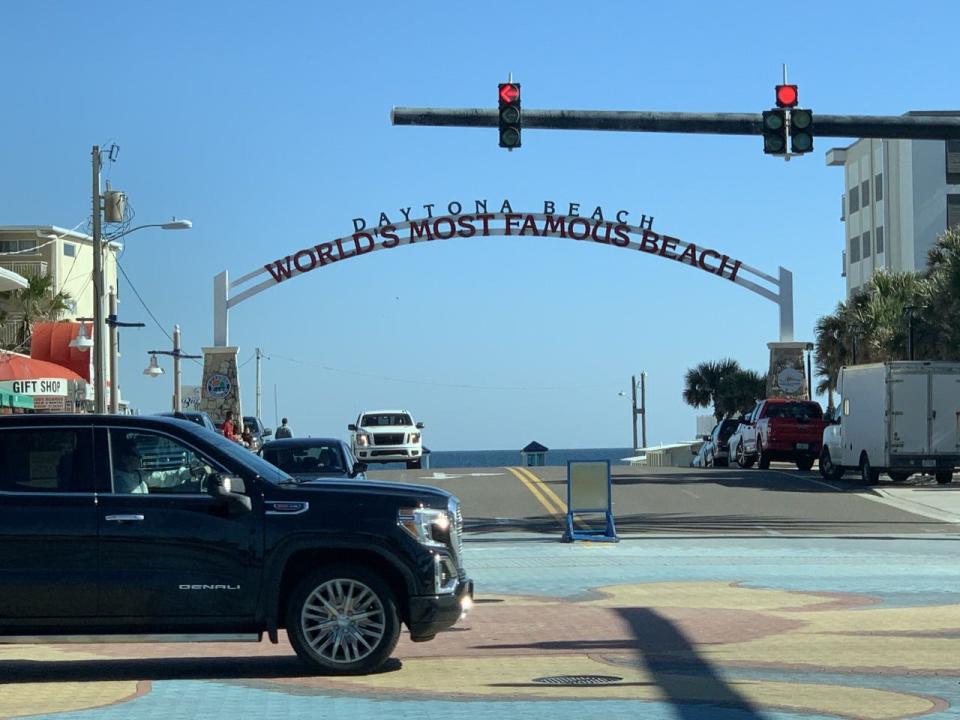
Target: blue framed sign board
589,491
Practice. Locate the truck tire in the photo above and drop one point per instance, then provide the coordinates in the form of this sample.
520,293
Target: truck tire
413,464
944,477
343,620
743,460
899,475
763,460
828,470
868,476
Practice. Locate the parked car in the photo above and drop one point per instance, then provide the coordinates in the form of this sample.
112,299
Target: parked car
900,418
306,459
384,436
199,417
718,443
701,454
168,532
780,429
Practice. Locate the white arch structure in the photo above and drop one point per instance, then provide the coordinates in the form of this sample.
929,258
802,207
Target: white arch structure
622,236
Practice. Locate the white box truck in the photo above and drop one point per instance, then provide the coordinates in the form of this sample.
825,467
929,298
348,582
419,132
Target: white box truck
900,418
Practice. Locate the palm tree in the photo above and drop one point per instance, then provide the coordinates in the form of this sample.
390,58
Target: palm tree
740,391
704,384
35,303
832,352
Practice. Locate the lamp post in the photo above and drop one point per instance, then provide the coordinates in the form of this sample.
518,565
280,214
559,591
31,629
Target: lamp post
83,343
154,370
908,310
99,295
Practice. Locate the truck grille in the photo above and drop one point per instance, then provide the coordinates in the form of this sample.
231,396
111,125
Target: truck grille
388,438
456,537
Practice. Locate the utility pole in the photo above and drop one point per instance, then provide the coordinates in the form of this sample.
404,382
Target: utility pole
114,324
259,355
641,411
177,354
99,366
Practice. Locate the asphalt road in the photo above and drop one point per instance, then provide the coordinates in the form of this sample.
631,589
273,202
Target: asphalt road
678,501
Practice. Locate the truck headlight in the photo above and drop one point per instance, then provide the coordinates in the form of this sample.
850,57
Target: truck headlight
414,437
427,526
363,440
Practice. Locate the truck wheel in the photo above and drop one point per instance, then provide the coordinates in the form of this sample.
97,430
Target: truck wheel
343,620
868,476
743,460
763,460
944,477
413,464
899,476
827,469
805,464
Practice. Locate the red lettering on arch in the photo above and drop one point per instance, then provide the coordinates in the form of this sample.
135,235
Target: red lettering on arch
309,254
650,243
712,253
554,224
690,254
421,229
529,223
279,271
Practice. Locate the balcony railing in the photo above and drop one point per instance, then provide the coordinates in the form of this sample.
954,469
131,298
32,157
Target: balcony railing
27,268
8,333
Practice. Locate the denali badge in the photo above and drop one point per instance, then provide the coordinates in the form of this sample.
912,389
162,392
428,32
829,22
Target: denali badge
209,587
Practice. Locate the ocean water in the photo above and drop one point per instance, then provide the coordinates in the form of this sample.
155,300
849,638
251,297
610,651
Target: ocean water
501,458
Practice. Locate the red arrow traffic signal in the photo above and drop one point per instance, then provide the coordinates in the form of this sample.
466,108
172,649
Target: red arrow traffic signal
509,92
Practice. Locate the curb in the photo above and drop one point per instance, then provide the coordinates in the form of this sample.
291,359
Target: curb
896,499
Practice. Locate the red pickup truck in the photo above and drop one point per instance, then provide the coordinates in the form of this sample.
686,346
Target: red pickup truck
781,429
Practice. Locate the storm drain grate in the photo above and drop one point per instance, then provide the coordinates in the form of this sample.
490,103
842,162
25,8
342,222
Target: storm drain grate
577,680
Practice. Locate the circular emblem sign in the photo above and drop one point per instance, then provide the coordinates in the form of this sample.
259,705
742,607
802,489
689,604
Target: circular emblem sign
218,385
790,380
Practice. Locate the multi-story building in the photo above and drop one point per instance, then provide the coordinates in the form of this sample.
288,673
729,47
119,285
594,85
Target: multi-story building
64,255
899,196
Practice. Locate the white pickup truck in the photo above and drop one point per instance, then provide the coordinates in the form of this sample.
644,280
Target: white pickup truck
900,418
385,436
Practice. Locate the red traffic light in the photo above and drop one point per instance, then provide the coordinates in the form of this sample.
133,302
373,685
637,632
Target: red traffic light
509,93
787,96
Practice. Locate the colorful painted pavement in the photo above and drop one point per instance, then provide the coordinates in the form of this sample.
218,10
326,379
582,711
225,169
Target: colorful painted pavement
660,628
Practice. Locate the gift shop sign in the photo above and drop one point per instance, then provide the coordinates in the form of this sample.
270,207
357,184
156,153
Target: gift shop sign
39,387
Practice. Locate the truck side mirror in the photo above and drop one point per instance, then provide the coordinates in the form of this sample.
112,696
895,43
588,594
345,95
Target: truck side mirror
420,426
230,490
352,427
358,467
267,432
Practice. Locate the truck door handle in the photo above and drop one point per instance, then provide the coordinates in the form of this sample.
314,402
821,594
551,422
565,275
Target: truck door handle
124,518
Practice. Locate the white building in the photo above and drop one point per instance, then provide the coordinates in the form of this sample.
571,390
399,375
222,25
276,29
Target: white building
899,195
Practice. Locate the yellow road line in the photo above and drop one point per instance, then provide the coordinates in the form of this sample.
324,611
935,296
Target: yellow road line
541,498
547,491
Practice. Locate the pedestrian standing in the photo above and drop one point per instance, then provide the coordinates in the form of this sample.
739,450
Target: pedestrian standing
283,431
229,429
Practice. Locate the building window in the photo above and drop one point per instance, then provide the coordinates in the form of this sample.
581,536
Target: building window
878,187
69,249
953,162
953,211
879,234
18,246
866,245
865,193
854,250
854,201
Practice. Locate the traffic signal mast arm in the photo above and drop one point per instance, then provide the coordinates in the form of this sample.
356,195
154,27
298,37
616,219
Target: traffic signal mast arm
853,126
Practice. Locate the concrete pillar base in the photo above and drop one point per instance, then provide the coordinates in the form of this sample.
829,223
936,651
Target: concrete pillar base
220,390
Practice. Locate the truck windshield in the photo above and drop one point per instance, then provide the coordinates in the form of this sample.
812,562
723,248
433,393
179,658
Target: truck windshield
386,420
260,466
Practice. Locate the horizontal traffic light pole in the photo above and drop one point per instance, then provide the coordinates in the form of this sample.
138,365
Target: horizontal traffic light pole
910,127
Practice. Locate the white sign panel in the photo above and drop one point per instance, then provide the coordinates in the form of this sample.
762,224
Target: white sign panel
41,387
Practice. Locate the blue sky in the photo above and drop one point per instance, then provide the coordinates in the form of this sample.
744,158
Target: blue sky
268,126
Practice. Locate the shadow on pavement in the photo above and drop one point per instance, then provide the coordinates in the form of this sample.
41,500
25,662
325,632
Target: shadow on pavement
687,680
204,668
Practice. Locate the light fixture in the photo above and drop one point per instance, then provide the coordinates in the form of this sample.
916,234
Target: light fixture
153,369
177,225
81,342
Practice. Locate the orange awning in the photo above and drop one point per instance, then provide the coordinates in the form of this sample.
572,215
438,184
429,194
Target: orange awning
51,342
18,367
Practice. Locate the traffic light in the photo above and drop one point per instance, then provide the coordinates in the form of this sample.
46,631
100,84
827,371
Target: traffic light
775,132
801,131
509,96
787,96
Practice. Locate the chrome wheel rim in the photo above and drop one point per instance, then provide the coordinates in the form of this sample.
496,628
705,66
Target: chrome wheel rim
343,621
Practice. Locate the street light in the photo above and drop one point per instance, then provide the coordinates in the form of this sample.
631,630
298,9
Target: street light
154,369
99,291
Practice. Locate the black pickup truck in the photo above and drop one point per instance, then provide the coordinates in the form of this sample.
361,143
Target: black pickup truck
148,528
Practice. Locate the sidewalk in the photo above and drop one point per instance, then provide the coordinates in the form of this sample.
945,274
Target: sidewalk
941,502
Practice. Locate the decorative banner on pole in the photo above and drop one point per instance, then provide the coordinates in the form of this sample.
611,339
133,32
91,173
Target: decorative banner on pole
589,491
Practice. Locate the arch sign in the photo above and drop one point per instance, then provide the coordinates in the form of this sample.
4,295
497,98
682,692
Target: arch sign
597,228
